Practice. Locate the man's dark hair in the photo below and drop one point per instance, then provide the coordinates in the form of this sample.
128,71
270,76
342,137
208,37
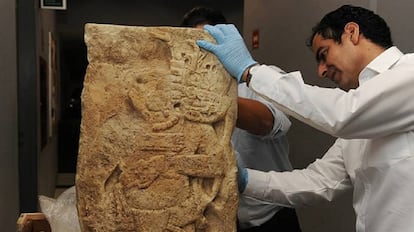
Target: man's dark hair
371,25
203,15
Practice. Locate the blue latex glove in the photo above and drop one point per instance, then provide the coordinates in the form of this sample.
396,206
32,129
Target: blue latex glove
242,175
230,48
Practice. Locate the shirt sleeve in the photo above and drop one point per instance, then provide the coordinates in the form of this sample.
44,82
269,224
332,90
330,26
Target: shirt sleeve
381,106
322,180
281,122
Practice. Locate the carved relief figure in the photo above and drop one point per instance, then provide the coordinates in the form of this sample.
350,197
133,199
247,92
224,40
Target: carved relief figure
155,151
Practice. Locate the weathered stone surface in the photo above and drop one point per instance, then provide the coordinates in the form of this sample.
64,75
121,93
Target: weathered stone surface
157,117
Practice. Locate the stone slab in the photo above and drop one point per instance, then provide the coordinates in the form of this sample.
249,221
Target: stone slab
157,118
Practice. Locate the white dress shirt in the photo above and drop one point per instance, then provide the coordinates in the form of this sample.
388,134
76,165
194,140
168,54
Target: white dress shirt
265,153
374,154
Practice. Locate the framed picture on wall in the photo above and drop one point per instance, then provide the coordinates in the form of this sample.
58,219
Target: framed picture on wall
51,83
53,4
44,101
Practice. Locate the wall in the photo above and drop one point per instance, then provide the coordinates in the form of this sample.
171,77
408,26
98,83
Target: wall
398,14
9,205
284,28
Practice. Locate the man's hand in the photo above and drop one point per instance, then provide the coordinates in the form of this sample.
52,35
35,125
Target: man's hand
230,49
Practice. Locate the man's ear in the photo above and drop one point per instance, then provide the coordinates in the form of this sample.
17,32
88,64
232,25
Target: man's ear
352,30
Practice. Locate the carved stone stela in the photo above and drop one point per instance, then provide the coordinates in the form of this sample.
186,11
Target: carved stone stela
157,117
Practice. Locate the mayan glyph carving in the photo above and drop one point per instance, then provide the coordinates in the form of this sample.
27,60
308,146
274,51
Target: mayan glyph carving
157,117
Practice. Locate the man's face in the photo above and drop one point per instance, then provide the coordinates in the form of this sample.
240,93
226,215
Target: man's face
338,62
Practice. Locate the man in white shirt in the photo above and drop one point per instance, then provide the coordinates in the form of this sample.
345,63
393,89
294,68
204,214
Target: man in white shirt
372,114
260,143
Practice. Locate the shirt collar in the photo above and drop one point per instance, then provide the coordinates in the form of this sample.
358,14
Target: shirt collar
380,64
